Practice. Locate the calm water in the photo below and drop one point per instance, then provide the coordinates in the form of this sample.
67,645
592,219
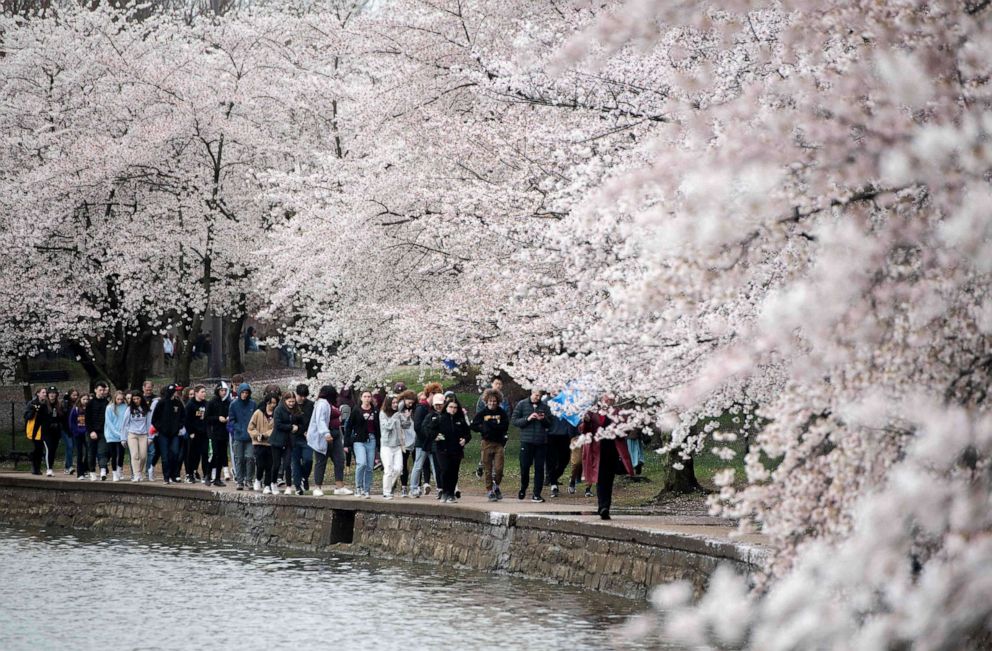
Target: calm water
71,591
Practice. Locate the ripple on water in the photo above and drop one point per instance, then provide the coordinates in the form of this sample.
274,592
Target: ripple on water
74,591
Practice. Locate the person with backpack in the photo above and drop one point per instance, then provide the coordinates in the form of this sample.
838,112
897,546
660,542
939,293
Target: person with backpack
37,414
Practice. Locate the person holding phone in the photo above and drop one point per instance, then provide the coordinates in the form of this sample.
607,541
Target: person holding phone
533,417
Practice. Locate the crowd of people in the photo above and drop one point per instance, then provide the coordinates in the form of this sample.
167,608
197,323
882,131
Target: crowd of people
282,441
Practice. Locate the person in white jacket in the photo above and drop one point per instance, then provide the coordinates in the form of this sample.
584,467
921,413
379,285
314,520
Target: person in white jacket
394,421
326,440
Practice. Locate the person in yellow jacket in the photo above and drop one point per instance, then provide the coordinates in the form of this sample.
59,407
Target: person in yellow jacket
38,418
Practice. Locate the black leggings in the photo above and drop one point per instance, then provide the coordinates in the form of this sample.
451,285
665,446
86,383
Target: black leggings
52,441
79,446
405,472
559,451
217,453
263,464
196,455
37,455
335,450
450,465
280,454
116,453
609,459
532,453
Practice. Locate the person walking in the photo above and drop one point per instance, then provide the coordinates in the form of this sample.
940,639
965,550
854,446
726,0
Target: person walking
560,437
302,454
149,399
533,417
197,433
260,429
77,426
37,413
492,422
239,414
168,418
96,414
394,419
325,437
408,403
424,460
363,429
68,402
450,433
51,433
286,422
602,459
135,425
496,384
216,417
114,433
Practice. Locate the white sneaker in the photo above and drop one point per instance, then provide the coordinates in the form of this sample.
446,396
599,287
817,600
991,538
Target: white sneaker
387,496
367,496
267,490
92,476
103,474
136,478
289,491
257,486
151,474
343,491
114,476
427,489
49,473
275,489
317,492
227,475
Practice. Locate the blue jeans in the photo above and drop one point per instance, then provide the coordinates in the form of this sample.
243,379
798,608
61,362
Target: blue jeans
168,447
67,442
153,455
364,458
302,461
418,467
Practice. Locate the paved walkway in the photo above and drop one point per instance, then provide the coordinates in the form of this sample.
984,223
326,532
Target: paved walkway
566,509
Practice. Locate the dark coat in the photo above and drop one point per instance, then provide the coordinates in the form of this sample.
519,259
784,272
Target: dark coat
282,425
169,417
492,424
532,431
216,409
357,429
445,430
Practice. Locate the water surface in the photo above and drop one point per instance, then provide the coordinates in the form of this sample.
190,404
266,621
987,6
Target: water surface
76,591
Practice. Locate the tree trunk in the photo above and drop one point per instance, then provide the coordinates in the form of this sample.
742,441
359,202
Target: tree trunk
184,353
681,481
235,354
217,341
21,374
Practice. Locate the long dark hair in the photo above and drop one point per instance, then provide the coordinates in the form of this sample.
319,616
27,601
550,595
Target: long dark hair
139,409
328,393
387,406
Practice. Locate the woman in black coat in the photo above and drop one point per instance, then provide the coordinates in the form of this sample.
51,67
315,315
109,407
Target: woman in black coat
450,433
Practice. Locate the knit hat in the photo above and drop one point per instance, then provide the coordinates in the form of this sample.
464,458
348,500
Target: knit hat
438,399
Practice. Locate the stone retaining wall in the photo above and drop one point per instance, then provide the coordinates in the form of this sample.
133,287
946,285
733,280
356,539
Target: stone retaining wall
611,559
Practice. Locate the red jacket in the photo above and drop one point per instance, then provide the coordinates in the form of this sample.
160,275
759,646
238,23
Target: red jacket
591,452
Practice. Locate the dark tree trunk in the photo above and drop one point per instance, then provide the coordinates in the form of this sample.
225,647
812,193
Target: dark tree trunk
233,340
680,481
184,352
21,375
313,368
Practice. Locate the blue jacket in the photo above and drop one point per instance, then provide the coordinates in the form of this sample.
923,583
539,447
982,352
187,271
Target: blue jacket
113,423
239,414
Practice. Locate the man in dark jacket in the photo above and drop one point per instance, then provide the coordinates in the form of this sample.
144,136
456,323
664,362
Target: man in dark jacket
198,432
216,418
301,453
167,419
534,419
96,415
